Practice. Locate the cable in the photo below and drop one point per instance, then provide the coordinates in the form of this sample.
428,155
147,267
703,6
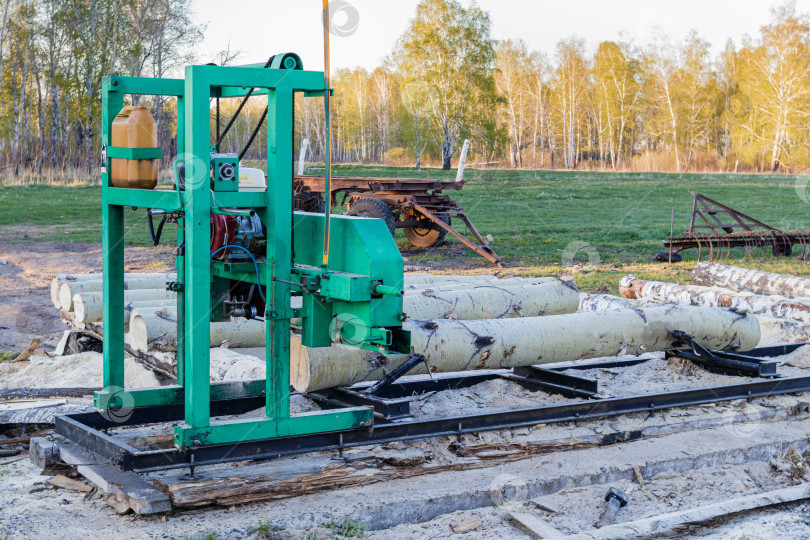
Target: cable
253,136
255,266
242,104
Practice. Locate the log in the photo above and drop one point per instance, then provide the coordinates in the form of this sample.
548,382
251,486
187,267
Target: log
504,343
432,279
159,333
777,307
603,302
59,279
755,281
484,302
458,285
89,306
133,281
493,302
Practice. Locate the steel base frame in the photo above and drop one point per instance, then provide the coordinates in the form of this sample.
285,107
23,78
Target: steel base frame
88,429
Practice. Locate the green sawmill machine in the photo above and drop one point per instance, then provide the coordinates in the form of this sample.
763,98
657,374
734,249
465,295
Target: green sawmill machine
243,253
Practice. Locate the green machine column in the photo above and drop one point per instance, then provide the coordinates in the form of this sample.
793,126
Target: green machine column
278,219
196,363
112,246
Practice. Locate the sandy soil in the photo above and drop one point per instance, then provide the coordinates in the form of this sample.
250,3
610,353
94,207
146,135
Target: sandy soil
26,269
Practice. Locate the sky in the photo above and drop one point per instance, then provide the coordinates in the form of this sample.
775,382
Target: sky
260,29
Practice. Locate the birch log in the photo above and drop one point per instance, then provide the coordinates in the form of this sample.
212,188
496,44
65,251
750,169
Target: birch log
492,302
505,343
755,281
458,285
159,333
777,307
603,302
68,289
89,306
432,279
59,279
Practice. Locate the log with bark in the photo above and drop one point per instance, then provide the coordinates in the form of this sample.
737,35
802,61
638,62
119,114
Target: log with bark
604,302
483,302
777,307
59,279
89,306
134,281
158,332
432,279
504,343
492,301
458,285
755,281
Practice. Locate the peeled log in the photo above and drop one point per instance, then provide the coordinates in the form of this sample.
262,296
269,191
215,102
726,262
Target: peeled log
492,302
59,279
89,306
777,307
153,332
131,282
755,281
505,343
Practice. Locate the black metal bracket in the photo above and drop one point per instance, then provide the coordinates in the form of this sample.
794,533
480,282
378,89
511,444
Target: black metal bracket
398,372
391,401
723,362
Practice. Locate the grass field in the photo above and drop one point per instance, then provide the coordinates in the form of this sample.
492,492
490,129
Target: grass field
538,219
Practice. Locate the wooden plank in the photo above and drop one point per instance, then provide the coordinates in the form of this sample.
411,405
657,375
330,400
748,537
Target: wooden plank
23,356
127,487
29,393
42,452
658,525
291,477
535,525
466,525
40,411
62,481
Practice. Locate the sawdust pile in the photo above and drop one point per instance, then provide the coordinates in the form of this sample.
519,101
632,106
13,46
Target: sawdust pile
83,370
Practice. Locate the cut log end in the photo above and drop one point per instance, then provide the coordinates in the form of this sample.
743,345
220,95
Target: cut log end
138,333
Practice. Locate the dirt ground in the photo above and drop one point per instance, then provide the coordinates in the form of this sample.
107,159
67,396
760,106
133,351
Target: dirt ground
26,269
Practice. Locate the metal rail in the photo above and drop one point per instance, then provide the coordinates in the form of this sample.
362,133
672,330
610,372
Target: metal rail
86,428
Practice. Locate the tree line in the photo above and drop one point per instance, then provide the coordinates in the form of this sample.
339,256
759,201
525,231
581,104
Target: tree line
664,105
53,54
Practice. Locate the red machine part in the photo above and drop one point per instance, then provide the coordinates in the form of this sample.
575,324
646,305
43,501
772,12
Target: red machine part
223,230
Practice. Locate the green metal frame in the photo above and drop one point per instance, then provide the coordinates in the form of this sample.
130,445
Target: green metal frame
361,282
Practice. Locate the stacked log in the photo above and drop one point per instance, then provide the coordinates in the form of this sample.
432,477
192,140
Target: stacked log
755,281
158,332
89,306
479,302
451,345
777,307
131,277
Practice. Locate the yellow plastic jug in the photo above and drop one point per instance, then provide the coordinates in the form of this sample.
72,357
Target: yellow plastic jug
134,127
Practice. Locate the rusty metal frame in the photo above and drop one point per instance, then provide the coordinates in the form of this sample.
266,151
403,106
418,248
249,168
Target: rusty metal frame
720,234
422,195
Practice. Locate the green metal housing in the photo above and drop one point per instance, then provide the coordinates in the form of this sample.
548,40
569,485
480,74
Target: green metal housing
356,300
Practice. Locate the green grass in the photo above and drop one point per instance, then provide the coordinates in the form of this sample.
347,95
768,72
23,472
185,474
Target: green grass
348,529
5,356
538,219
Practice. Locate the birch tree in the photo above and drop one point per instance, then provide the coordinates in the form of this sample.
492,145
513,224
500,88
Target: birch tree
450,48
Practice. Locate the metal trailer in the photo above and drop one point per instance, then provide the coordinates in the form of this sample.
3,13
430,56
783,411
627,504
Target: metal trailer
717,227
416,205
